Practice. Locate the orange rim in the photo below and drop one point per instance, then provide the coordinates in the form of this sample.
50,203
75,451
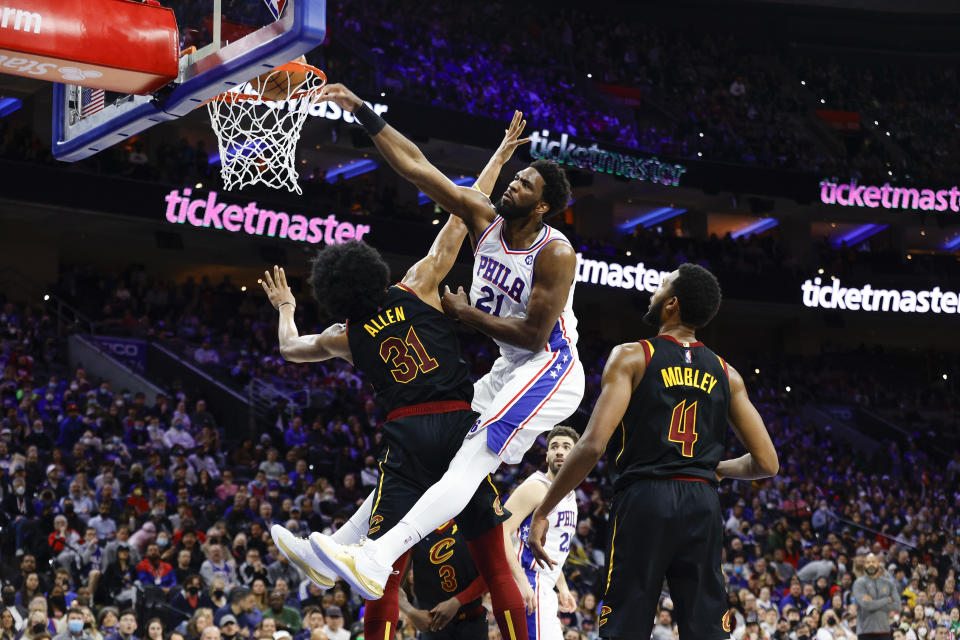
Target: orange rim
228,96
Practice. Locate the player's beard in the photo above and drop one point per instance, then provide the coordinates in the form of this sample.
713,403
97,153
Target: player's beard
652,316
871,572
555,467
510,211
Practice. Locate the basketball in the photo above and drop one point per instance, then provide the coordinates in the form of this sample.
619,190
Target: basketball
275,84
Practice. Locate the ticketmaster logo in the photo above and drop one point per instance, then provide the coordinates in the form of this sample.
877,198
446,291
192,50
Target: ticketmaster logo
851,194
613,274
866,298
564,151
207,212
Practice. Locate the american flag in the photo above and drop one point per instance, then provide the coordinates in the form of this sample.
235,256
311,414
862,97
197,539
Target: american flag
276,7
91,101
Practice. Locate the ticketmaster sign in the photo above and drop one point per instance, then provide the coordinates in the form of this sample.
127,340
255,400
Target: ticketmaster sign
563,150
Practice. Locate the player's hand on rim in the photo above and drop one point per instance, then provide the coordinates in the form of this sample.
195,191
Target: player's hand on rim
537,539
276,288
339,94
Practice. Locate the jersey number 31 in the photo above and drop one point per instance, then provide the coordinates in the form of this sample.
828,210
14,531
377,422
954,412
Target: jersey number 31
683,427
405,366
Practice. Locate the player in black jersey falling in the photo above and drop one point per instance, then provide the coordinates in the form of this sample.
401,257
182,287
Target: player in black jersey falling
665,403
399,337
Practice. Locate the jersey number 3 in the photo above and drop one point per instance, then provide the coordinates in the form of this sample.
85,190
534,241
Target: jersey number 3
683,427
405,366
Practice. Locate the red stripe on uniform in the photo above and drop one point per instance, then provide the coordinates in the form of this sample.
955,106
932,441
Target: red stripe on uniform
539,406
484,236
646,351
522,391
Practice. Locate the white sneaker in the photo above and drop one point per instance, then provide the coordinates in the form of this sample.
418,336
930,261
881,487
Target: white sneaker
300,553
354,564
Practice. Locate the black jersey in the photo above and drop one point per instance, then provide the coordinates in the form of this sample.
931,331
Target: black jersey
442,568
676,422
409,352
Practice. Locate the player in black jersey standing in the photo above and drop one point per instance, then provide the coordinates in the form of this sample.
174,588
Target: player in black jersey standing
665,403
448,589
399,337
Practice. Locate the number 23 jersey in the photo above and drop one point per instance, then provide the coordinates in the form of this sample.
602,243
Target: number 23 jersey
503,279
676,422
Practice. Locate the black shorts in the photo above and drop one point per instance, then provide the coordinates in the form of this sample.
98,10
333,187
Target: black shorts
416,453
665,529
473,629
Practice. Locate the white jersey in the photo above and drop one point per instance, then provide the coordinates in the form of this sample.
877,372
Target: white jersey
563,526
503,279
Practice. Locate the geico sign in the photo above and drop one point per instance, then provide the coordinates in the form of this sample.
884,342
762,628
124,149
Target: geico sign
37,68
121,349
869,298
613,274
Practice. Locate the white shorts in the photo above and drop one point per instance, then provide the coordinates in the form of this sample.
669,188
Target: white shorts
518,402
543,623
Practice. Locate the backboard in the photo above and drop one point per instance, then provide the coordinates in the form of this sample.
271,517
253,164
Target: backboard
235,40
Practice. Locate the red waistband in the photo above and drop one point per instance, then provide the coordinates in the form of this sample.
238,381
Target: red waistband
427,408
471,614
690,479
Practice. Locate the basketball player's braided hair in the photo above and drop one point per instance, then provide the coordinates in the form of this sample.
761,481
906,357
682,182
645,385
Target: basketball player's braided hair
698,293
349,280
556,187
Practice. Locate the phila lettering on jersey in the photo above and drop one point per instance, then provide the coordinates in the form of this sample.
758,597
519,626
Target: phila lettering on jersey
503,278
563,526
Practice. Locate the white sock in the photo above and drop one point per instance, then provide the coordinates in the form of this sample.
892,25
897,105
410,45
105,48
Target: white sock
441,502
357,526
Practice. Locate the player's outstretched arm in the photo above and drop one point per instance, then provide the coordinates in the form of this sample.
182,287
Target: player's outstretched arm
621,375
553,273
332,343
761,461
407,160
425,276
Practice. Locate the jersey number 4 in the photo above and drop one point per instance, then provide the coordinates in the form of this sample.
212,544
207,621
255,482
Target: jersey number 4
683,427
405,366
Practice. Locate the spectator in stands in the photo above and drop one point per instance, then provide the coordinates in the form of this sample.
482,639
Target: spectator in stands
201,619
74,630
154,629
126,626
241,606
206,354
154,571
877,596
287,617
178,436
228,627
333,628
272,467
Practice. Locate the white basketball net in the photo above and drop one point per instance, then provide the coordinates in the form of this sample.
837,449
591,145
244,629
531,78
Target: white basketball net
257,138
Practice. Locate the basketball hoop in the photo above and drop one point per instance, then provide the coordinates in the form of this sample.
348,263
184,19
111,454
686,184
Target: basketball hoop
258,126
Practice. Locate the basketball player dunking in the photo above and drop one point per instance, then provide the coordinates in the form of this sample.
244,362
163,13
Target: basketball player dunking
405,345
542,622
522,295
670,398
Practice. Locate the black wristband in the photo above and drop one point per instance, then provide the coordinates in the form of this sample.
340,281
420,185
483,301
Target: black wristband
373,123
